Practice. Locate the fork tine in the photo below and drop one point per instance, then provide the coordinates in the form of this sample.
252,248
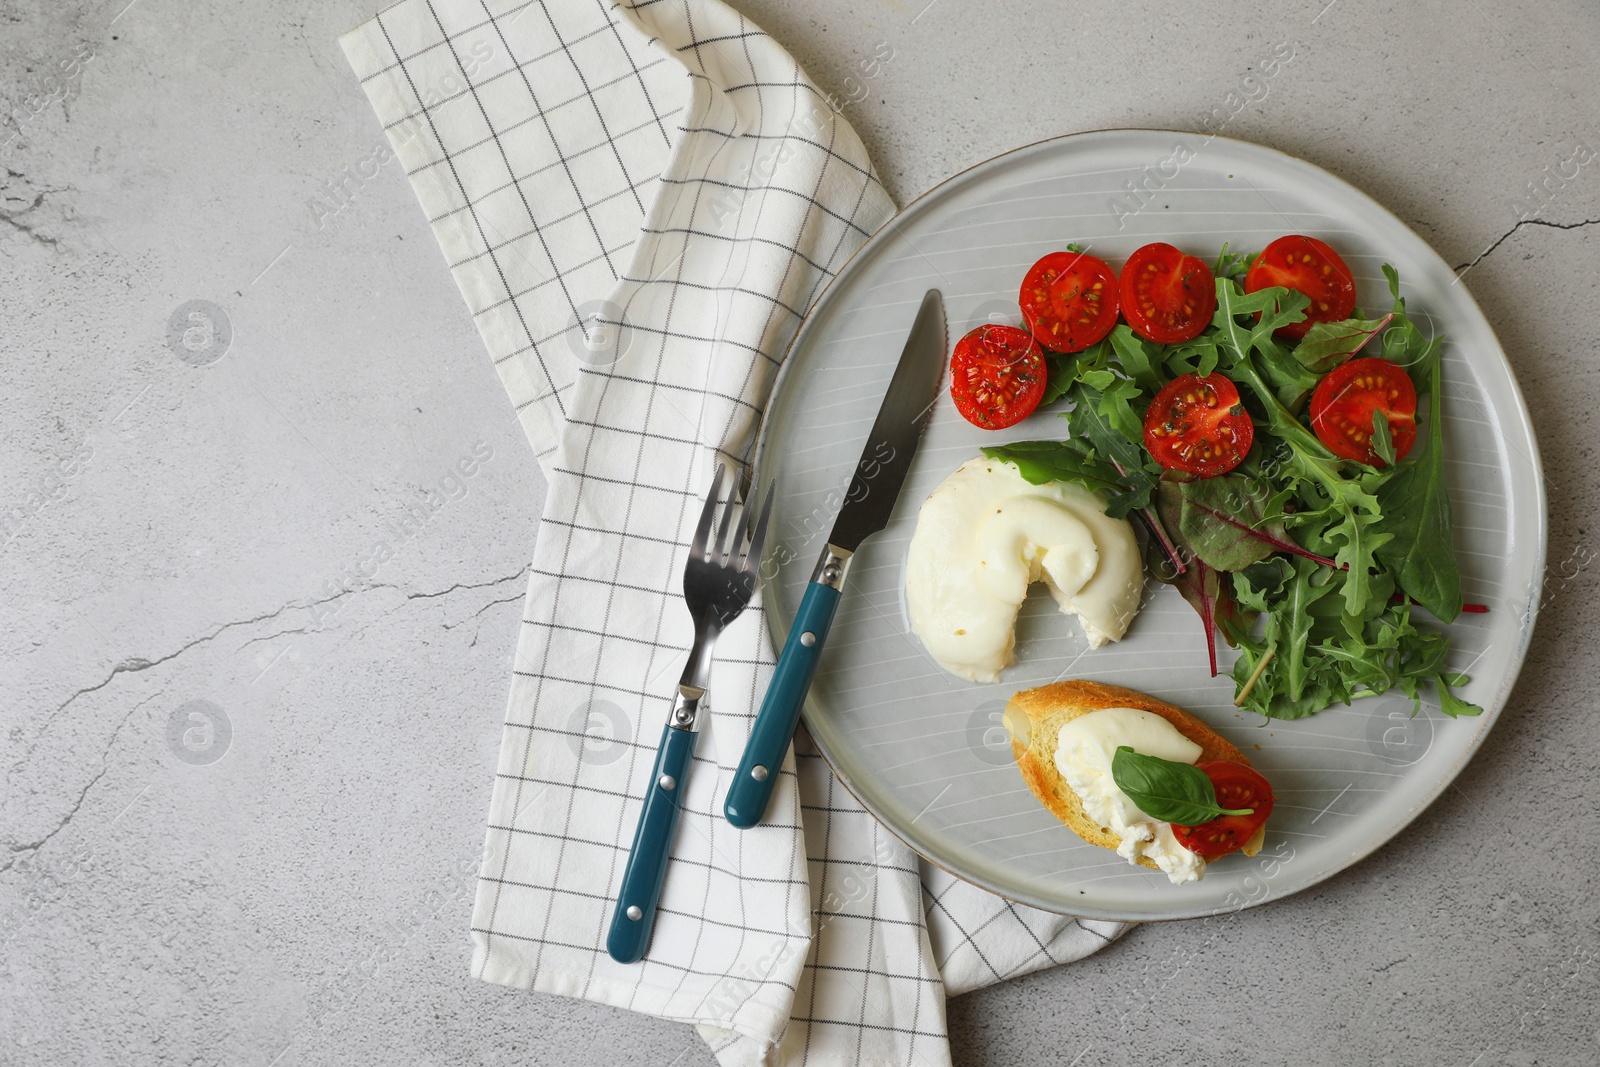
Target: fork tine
702,532
752,556
731,538
719,547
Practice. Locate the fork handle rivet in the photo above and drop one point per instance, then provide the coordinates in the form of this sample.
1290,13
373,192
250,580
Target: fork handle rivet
808,639
667,782
759,773
634,913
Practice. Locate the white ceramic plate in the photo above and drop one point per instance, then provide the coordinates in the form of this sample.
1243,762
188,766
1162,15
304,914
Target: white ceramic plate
925,751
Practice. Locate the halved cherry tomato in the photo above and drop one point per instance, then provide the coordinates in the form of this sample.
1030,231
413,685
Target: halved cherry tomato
1167,297
1346,399
997,376
1198,426
1238,787
1069,301
1308,266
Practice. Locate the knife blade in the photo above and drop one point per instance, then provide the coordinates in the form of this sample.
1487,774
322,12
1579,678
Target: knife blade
874,488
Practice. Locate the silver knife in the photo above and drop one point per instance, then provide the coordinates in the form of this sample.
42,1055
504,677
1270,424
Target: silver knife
881,471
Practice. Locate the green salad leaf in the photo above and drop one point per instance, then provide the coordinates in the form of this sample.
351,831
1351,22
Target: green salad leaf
1139,359
1417,524
1060,374
1228,521
1199,583
1041,462
1328,344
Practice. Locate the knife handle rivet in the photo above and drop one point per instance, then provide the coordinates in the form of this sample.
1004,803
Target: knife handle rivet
634,913
667,782
759,773
808,639
830,573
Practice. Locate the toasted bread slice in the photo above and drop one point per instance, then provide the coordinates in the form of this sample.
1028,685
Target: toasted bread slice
1034,718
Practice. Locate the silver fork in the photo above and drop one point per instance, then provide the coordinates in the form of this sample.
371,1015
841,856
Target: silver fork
718,581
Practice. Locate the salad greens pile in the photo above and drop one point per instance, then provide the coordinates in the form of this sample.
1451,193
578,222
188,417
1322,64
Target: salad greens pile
1312,566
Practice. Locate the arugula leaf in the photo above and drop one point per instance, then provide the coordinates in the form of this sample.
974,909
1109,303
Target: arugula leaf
1382,440
1118,401
1106,434
1295,622
1199,356
1451,704
1416,522
1140,360
1328,344
1253,585
1231,264
1179,793
1292,382
1062,373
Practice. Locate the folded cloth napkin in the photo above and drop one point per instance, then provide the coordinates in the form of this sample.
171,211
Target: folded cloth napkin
638,203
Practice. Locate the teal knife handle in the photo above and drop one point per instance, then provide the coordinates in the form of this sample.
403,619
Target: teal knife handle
780,711
652,845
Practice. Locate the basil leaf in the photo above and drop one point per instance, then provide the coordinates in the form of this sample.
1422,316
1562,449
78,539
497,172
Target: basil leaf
1179,793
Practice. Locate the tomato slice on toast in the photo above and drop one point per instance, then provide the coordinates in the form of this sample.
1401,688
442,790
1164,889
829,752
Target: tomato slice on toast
1239,787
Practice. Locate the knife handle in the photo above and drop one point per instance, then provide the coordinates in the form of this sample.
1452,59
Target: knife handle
780,711
635,914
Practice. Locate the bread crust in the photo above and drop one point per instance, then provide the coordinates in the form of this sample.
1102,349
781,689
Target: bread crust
1034,718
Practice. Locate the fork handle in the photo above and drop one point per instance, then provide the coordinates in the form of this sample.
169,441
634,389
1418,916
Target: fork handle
752,786
652,845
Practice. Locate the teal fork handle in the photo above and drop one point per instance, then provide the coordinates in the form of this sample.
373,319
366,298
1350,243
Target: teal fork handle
752,786
635,914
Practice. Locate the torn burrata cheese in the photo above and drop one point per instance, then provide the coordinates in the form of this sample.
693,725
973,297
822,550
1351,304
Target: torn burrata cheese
1084,751
985,535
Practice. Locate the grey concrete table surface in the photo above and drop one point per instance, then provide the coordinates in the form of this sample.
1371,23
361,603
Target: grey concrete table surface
242,807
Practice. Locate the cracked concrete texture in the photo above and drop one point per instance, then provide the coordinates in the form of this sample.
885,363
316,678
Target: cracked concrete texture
304,898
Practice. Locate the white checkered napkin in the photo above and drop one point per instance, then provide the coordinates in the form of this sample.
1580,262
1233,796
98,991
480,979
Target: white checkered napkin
664,169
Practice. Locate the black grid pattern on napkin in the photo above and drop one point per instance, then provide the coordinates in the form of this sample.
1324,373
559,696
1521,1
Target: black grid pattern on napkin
539,179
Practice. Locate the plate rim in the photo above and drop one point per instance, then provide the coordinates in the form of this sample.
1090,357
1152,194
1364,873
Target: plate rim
777,627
